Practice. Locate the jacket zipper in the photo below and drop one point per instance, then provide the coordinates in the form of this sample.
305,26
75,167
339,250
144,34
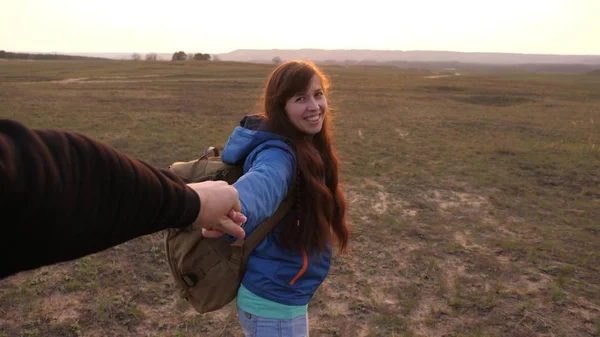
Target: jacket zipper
303,269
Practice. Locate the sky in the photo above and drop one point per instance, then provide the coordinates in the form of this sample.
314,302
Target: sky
213,26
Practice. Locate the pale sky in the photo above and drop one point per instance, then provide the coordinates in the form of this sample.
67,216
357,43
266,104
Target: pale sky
217,26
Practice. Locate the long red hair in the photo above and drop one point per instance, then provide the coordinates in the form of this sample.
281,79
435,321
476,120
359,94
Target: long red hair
321,207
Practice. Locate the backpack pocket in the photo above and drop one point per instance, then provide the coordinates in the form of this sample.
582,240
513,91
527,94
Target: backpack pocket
207,271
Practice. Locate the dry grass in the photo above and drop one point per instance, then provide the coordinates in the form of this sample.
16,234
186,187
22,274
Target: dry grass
474,199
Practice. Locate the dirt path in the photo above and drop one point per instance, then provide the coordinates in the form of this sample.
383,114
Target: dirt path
441,76
104,79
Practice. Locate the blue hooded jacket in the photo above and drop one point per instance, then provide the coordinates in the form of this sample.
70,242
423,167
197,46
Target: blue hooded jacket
269,163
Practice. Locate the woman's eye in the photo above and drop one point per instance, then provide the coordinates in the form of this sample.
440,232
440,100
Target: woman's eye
319,94
299,99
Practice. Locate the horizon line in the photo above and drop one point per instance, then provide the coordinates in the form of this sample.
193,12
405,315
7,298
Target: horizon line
313,49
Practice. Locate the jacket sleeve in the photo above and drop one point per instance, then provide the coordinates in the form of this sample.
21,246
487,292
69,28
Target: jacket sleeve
64,196
265,184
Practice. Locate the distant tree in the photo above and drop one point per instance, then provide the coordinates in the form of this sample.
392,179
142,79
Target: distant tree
201,57
151,57
136,57
179,56
277,60
2,54
190,56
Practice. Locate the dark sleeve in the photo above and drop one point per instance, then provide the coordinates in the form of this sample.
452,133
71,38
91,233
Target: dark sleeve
64,196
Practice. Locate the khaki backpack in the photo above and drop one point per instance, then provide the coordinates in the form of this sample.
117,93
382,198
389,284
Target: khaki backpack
207,272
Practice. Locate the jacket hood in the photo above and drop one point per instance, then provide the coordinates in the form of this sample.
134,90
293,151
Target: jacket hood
246,137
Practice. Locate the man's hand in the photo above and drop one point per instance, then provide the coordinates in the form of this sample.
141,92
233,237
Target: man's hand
220,208
217,229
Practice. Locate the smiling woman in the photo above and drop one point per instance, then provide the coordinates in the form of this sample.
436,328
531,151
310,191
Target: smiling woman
288,145
306,109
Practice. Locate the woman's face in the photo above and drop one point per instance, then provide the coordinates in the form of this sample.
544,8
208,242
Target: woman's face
306,110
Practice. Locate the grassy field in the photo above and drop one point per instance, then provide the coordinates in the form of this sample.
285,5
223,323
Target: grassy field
474,199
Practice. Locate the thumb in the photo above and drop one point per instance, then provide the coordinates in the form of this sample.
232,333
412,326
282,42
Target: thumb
211,233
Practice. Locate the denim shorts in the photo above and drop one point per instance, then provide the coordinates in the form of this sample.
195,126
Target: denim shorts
255,326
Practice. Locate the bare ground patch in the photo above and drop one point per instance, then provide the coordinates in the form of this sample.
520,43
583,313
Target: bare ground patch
473,282
493,100
446,200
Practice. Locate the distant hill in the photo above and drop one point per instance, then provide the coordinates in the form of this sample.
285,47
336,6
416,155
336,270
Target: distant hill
376,56
44,56
254,55
124,56
434,60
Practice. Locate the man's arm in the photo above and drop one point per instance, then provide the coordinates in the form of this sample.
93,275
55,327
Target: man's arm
64,195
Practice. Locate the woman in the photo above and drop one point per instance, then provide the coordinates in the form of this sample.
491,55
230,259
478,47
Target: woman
290,142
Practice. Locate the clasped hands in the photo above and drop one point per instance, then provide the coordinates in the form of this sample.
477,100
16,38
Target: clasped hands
220,209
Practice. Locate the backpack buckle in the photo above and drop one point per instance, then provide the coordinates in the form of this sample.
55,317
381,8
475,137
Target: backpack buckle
235,258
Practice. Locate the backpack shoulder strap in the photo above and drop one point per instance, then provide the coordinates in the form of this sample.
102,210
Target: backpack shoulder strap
266,226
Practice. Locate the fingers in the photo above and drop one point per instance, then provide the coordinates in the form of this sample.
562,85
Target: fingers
211,233
229,227
237,217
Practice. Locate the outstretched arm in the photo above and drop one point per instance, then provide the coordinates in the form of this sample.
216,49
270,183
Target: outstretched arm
265,185
64,196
